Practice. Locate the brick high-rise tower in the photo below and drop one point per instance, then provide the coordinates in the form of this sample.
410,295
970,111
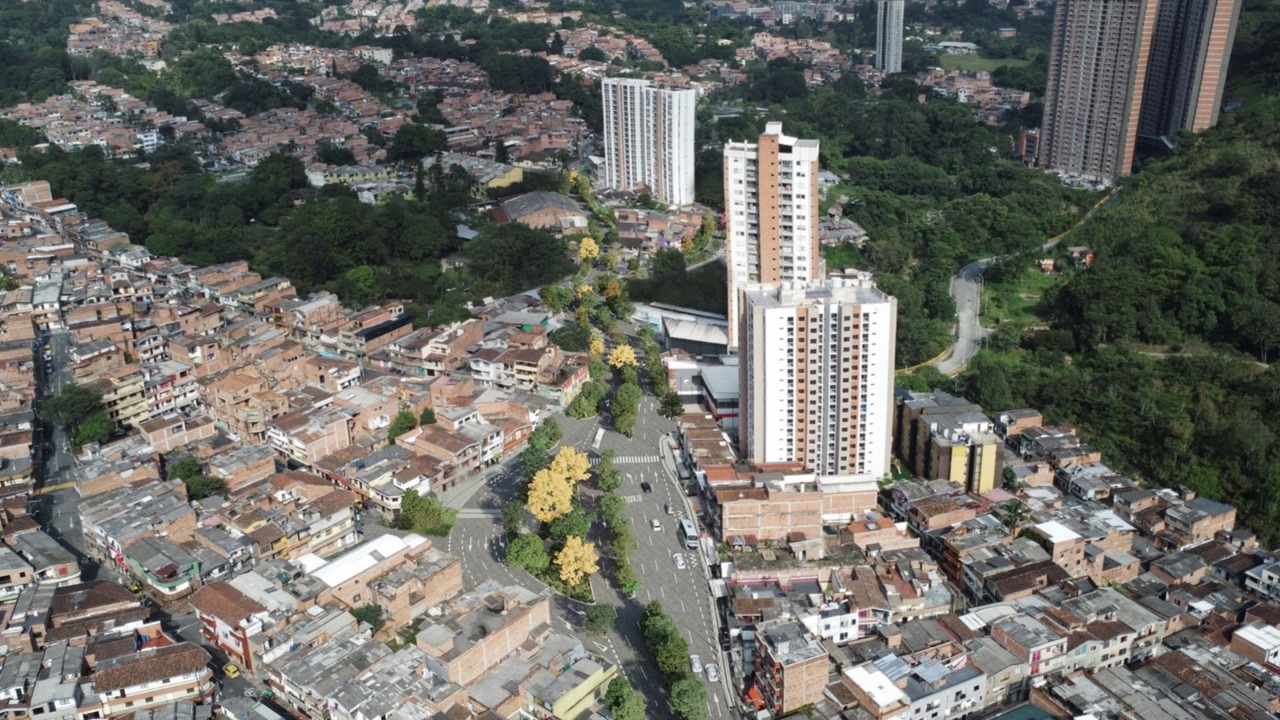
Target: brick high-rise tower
1097,74
1188,66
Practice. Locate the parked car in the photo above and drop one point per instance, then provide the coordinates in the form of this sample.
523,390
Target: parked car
231,671
695,663
713,673
679,561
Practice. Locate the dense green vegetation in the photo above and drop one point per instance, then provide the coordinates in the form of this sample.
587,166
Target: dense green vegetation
933,189
1153,352
1191,249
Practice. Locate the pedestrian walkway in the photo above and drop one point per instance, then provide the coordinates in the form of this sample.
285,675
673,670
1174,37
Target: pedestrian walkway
631,460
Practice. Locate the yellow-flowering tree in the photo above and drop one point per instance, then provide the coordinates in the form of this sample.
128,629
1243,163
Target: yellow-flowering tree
585,289
576,560
588,250
550,495
571,465
622,356
596,348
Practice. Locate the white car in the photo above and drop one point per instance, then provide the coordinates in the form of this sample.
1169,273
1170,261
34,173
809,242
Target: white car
713,673
695,663
655,524
679,561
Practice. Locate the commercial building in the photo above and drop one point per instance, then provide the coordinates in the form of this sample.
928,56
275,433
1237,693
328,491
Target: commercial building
771,214
817,384
1097,75
889,35
648,139
1188,66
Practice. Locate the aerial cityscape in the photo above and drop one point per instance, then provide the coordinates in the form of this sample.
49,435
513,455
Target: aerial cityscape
610,360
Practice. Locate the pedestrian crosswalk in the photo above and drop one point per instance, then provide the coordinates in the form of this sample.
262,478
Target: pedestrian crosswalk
631,460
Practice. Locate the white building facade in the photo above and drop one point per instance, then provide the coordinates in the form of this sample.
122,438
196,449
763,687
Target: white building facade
889,35
771,214
648,139
817,383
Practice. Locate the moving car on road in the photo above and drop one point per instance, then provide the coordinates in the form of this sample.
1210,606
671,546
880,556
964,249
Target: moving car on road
713,673
655,524
695,663
231,671
645,486
679,561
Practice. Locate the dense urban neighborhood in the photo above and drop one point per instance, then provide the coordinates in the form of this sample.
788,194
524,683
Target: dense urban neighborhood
607,360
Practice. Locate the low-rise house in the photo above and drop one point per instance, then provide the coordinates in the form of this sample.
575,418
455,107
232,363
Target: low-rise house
1039,646
480,628
228,618
51,563
152,677
306,680
790,667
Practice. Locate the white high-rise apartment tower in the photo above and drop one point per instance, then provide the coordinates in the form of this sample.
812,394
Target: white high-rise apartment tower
889,35
817,378
771,214
648,139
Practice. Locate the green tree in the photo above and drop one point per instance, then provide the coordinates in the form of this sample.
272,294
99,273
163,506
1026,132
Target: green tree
546,435
403,422
203,486
671,406
428,417
623,702
371,613
528,552
517,257
94,429
571,338
688,698
331,153
412,142
74,403
532,460
600,619
276,174
575,522
184,468
513,517
556,297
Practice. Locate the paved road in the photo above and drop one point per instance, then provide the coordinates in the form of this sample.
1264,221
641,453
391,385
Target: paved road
966,291
478,539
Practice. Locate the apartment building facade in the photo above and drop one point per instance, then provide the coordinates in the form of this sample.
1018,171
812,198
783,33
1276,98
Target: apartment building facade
1188,67
648,139
889,35
817,382
1097,76
771,214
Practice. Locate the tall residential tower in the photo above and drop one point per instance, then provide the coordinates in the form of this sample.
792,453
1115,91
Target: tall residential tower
1188,66
817,377
771,214
648,139
889,35
1097,69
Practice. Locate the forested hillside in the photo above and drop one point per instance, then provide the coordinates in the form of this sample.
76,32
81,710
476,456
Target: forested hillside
1188,261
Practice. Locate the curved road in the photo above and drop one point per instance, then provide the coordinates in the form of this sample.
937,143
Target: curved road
966,290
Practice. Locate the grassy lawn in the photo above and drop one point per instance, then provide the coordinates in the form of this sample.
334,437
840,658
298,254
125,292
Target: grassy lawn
1017,302
974,63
